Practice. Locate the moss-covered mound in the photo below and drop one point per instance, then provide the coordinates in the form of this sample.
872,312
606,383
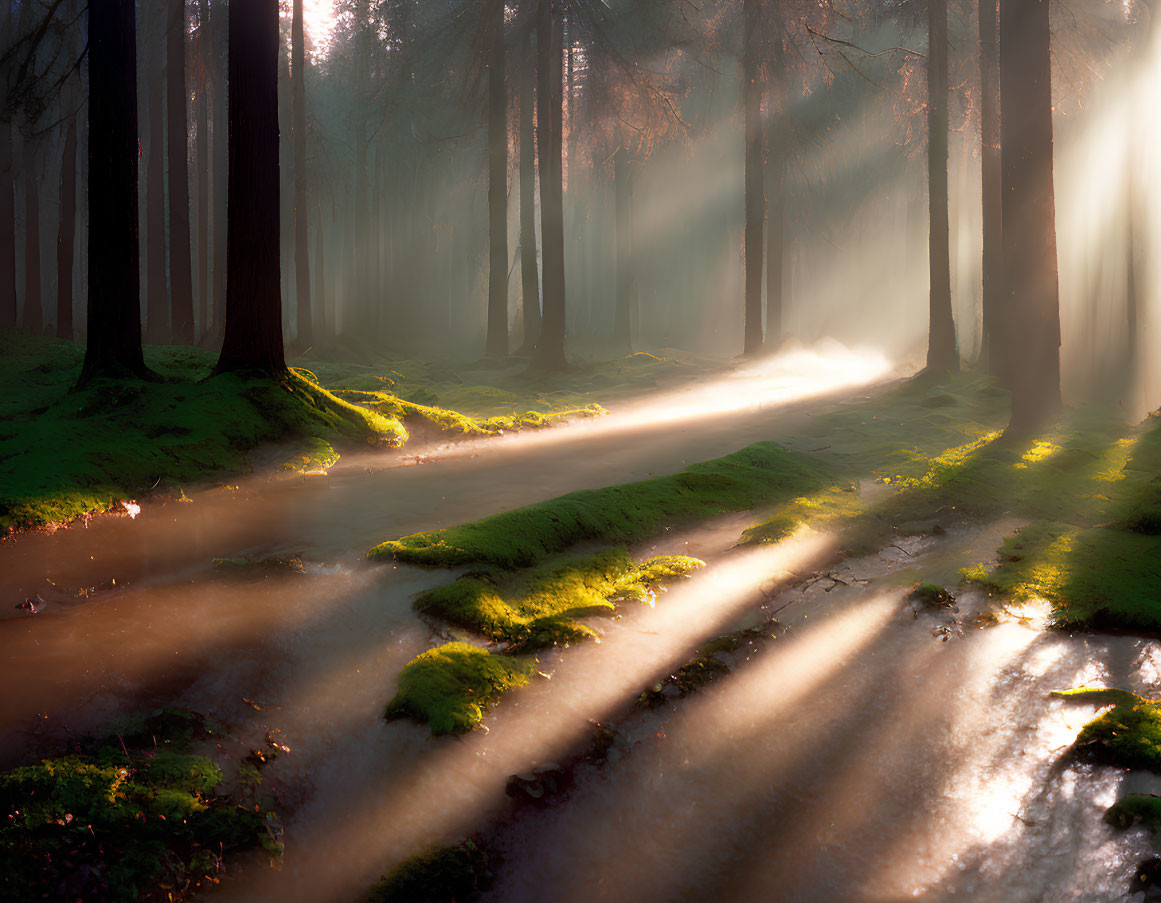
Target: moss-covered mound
539,607
444,875
457,424
64,454
1136,809
452,686
758,474
1127,736
137,816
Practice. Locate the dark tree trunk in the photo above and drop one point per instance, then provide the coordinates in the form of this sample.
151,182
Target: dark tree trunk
219,32
992,181
625,262
942,354
529,271
8,309
305,324
33,320
205,48
550,350
754,197
66,236
1029,214
180,275
156,291
253,336
496,345
114,318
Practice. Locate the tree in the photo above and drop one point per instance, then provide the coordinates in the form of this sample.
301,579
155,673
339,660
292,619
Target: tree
1029,213
157,309
991,177
942,353
33,320
496,343
755,199
114,320
7,210
301,246
253,327
549,106
67,231
180,274
529,270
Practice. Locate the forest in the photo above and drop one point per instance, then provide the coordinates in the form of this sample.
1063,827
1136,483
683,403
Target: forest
572,450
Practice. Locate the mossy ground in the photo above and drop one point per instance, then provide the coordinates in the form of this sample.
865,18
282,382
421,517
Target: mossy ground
66,454
1128,735
539,607
760,473
454,874
139,815
452,686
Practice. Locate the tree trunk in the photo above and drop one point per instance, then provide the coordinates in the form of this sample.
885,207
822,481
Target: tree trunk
8,308
529,271
114,318
625,261
775,240
305,324
992,263
66,235
157,329
754,197
205,48
549,105
496,345
320,298
253,336
942,354
1029,214
33,320
219,32
180,275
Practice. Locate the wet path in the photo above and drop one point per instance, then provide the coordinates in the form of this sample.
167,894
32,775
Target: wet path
855,757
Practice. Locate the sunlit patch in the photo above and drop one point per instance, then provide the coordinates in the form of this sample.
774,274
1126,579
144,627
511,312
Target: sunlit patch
1042,660
1119,457
132,509
940,466
1092,674
1041,449
1148,665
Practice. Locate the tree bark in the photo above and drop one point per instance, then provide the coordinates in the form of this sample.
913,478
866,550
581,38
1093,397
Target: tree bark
8,308
775,241
319,298
180,273
1029,214
755,200
33,319
942,354
305,336
549,104
66,234
496,344
992,264
529,270
114,318
157,312
253,336
219,33
205,191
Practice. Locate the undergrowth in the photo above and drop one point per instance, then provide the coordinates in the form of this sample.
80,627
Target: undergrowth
139,815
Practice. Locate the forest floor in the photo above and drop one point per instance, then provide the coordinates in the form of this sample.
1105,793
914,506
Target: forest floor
66,454
253,603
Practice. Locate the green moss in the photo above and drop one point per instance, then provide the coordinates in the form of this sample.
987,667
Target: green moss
1127,736
1134,809
121,820
76,453
538,608
931,595
444,875
315,455
760,473
452,686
